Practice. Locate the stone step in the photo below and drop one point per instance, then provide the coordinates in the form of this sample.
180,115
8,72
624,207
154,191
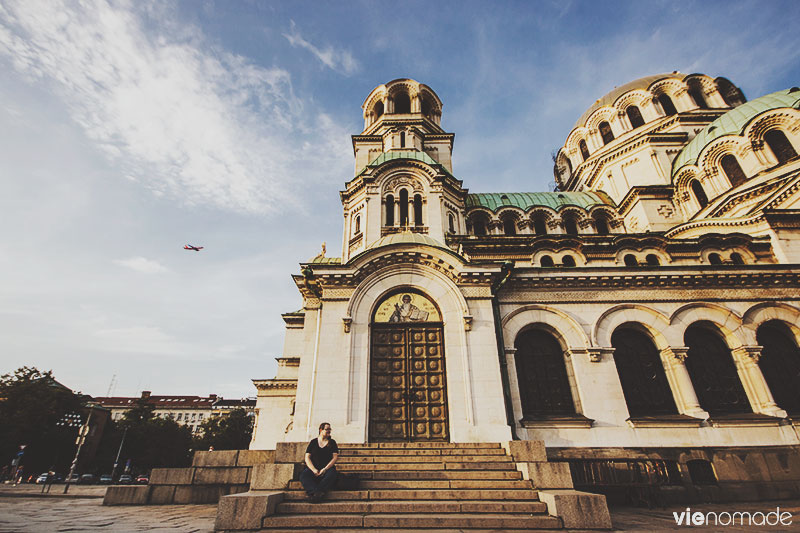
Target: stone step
344,452
423,494
435,484
356,467
424,459
440,474
420,445
413,521
406,506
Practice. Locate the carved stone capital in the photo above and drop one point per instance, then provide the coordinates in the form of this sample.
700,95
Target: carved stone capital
675,355
748,353
467,322
347,321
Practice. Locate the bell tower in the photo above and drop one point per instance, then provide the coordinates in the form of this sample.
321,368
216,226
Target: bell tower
403,170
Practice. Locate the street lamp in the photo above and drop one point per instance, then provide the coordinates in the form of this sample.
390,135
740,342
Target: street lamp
82,434
119,452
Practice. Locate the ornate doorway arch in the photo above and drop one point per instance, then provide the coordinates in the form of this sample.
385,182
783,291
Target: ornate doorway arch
407,393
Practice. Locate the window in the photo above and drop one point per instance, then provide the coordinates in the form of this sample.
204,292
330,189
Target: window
736,258
390,210
652,260
732,170
715,259
635,116
451,223
402,139
509,227
357,229
667,105
544,388
403,207
180,416
571,226
584,149
418,210
697,95
630,260
402,103
699,193
601,225
780,145
479,223
426,107
780,364
539,226
568,261
641,373
713,373
378,109
606,133
546,261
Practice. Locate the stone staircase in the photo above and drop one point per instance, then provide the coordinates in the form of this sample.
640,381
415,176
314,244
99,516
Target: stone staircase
422,486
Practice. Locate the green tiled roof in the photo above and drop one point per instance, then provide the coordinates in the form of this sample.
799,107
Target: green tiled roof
733,122
414,155
526,200
407,237
327,260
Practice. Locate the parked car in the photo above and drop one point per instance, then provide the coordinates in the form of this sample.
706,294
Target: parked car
87,479
125,479
42,478
106,479
143,480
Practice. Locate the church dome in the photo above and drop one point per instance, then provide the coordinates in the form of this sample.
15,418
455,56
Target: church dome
407,237
734,122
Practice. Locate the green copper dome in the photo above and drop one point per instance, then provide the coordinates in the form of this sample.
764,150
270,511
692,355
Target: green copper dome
734,122
526,200
414,155
407,237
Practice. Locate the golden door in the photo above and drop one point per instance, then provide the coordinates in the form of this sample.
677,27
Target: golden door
407,400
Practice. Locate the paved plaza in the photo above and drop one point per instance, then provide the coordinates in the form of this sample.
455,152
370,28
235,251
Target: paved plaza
25,510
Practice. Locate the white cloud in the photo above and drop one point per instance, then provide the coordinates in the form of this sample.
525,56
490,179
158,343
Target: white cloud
141,339
185,119
339,60
141,264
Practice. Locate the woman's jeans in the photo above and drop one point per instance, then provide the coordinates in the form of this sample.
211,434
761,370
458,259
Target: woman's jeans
323,483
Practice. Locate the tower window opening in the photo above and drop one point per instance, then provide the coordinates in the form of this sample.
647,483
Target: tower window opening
426,107
402,139
699,193
509,227
378,110
404,207
390,210
546,261
601,225
780,145
451,223
571,226
667,105
417,210
606,133
568,261
402,104
635,116
652,260
697,96
736,258
715,259
539,226
584,149
732,170
478,225
630,260
357,228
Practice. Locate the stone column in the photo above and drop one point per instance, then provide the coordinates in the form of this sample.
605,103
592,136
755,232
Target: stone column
513,382
683,392
412,216
746,360
397,221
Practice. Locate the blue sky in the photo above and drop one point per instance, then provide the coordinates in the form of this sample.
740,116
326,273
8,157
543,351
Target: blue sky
128,129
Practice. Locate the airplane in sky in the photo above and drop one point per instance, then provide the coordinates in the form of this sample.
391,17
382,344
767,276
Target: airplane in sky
190,247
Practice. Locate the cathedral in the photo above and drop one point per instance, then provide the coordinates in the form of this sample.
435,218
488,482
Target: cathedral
646,312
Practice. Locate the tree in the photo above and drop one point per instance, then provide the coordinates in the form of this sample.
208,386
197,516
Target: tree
227,432
32,404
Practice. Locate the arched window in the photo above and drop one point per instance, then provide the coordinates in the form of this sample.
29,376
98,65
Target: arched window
378,109
451,223
402,103
403,207
601,225
546,261
697,95
479,223
714,259
568,261
509,227
570,225
357,229
635,116
542,376
699,193
539,226
652,260
390,210
641,374
605,132
780,364
584,149
736,258
667,105
732,170
426,107
418,210
630,260
402,139
713,373
780,145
